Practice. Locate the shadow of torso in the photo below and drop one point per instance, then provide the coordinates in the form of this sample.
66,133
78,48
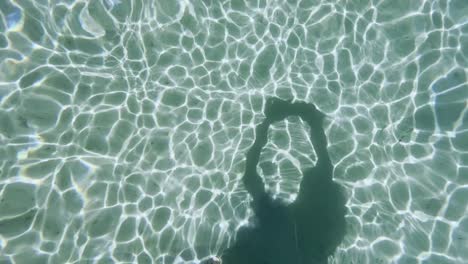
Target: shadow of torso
305,231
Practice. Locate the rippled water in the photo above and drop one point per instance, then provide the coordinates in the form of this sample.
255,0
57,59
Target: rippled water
124,124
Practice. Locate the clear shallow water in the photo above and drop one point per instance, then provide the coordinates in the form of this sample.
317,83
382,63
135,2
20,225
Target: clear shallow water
124,124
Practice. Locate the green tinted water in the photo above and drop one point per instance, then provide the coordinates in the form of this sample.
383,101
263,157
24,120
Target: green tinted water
124,124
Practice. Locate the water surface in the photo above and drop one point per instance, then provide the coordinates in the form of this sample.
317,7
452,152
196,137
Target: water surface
124,124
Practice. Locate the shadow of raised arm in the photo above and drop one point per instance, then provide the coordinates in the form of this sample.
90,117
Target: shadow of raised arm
252,181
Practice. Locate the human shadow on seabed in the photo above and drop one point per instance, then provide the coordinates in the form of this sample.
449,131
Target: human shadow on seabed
308,230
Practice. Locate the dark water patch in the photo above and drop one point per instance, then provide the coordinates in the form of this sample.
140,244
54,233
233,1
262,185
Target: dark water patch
309,229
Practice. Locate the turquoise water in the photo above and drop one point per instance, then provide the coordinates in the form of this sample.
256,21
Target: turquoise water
124,124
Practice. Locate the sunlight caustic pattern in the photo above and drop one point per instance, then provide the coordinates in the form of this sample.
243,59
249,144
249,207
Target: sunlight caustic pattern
124,124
